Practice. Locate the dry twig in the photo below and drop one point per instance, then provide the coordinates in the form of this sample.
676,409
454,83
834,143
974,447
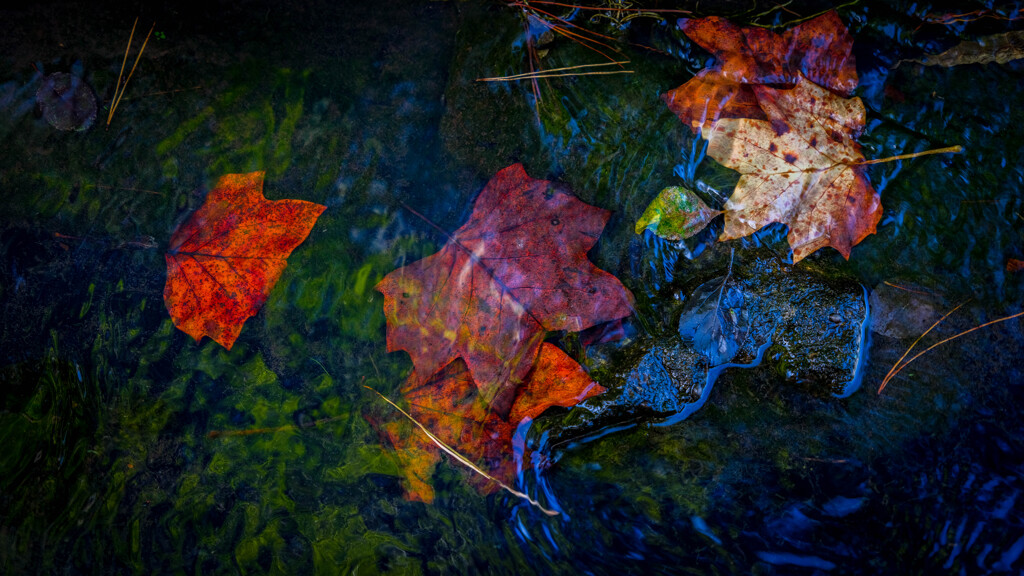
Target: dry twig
462,459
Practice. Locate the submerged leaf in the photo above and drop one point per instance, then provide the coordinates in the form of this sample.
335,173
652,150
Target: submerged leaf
998,48
450,406
516,270
716,319
675,214
67,101
820,49
223,261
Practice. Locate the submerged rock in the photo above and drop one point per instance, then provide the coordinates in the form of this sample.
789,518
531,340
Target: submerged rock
900,312
804,326
68,103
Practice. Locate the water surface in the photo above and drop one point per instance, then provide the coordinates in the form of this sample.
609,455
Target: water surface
116,457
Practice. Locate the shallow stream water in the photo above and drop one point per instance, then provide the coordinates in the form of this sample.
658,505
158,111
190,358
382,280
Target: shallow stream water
127,447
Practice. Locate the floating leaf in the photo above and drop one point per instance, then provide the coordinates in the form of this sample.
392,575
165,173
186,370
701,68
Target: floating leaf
801,168
675,214
224,260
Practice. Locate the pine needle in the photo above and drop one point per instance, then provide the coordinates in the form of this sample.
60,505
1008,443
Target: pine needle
163,92
253,431
941,342
118,95
102,187
578,38
893,370
536,14
905,289
544,74
611,9
532,57
548,71
462,459
117,87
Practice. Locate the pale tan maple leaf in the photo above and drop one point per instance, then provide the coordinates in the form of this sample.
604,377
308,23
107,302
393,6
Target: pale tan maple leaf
800,168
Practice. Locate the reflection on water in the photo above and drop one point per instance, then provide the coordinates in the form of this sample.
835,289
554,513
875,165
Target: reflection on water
129,447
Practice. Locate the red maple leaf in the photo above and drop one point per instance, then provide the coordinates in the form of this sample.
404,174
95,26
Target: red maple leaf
821,49
450,406
516,270
224,260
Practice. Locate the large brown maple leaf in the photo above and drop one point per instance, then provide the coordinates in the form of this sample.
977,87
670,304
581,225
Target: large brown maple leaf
517,269
800,168
224,260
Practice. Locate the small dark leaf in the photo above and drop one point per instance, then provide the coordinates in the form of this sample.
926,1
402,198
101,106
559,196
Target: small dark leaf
716,320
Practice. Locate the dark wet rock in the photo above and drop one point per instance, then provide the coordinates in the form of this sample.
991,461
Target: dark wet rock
816,324
666,379
900,312
804,326
495,138
68,103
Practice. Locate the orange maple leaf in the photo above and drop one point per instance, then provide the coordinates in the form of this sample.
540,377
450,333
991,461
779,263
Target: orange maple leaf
450,406
224,260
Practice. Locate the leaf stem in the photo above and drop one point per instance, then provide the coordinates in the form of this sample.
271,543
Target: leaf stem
948,150
462,459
